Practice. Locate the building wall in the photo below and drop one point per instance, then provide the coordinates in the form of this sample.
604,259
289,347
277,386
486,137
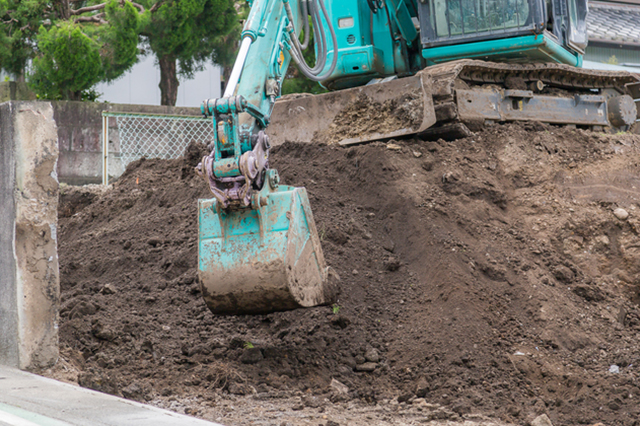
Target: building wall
602,54
140,86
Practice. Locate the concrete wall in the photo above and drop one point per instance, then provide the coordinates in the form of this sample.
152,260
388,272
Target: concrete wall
15,91
29,280
80,137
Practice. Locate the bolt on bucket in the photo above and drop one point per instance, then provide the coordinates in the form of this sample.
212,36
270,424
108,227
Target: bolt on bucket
264,259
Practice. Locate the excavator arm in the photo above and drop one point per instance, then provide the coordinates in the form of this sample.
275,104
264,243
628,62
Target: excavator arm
269,43
258,247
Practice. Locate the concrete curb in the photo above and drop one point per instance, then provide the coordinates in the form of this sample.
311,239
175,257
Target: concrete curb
30,400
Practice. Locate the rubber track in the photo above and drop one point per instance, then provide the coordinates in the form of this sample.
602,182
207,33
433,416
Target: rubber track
475,72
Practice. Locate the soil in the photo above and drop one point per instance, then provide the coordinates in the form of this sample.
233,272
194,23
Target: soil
493,276
365,117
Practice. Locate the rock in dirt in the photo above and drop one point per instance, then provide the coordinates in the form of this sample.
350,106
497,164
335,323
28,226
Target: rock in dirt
422,387
313,401
237,389
100,382
394,146
154,242
83,309
621,214
109,289
589,293
419,401
338,387
564,274
366,367
541,420
372,355
405,397
251,356
392,264
389,246
135,391
103,333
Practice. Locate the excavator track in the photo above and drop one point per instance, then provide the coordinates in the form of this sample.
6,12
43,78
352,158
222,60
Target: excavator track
562,86
452,100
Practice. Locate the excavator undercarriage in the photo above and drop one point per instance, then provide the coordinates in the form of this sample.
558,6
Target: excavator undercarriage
466,95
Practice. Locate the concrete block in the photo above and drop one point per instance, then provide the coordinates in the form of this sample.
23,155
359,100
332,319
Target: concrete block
64,138
87,139
29,280
80,168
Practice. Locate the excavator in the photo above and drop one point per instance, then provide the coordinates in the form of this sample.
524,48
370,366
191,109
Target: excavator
394,68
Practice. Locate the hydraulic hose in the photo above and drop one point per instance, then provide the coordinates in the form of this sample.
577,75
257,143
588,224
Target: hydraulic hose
305,18
321,42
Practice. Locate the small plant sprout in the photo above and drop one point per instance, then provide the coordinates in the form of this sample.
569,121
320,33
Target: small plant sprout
248,345
335,308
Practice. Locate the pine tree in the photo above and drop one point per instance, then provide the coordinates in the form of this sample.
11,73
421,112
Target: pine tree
184,35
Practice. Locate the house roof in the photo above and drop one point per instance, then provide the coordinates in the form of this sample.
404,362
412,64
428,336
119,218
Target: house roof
613,23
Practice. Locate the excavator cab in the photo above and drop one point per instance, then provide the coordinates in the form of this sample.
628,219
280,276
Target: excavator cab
526,31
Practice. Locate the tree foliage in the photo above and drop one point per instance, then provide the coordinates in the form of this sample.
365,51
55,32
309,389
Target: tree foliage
73,55
184,35
74,44
20,20
69,63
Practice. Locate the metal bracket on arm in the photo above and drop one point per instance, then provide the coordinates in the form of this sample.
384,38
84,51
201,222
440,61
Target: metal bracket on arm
231,105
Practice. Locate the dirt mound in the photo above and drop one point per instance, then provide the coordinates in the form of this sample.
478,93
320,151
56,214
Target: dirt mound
491,275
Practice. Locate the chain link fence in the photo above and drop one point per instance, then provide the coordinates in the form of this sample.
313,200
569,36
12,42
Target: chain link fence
128,137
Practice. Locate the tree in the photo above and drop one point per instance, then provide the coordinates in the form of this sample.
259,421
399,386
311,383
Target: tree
20,20
184,35
69,63
73,43
55,34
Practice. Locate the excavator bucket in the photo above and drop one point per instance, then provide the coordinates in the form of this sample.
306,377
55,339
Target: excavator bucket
264,259
383,109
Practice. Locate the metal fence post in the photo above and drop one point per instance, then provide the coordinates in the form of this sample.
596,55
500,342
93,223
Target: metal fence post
105,149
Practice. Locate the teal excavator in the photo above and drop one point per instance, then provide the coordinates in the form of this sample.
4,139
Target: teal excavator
394,68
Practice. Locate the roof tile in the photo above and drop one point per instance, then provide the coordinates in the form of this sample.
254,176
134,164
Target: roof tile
614,23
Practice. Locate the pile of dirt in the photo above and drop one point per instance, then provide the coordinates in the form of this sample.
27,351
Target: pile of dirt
494,275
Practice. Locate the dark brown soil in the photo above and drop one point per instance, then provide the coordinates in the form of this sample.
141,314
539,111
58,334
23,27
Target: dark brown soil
488,275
